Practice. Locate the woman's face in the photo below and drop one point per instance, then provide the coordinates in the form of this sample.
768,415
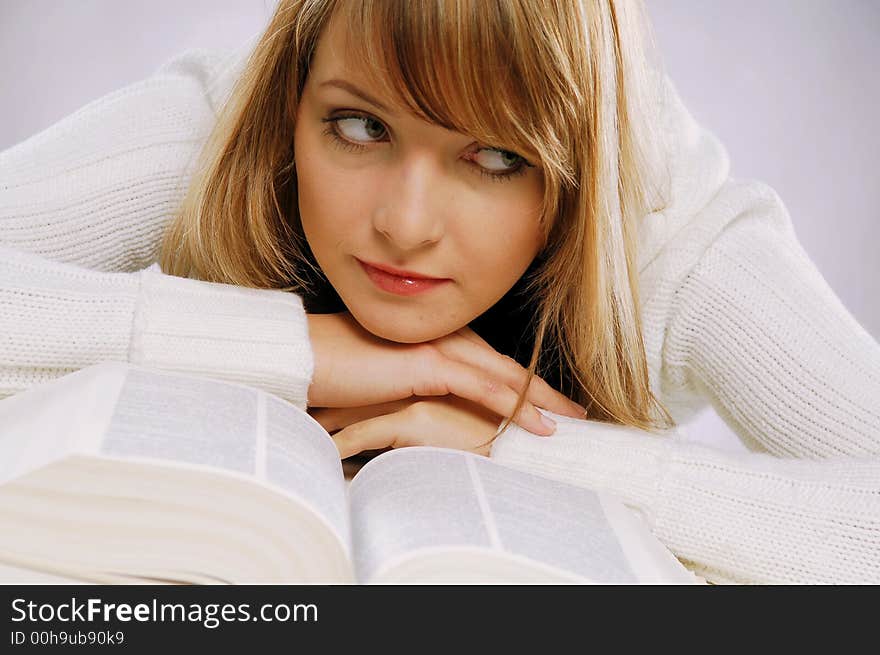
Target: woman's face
379,186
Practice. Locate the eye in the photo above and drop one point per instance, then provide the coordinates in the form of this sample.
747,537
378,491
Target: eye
499,164
354,132
497,161
359,128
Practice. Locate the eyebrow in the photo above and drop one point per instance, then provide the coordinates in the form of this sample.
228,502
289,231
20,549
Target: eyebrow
355,91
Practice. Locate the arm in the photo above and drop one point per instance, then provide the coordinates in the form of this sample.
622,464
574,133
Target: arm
731,517
735,312
99,187
56,318
754,326
82,208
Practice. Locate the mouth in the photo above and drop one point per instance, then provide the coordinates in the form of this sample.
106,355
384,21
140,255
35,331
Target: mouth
399,282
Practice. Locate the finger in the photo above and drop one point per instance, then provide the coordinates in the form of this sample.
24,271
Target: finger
473,337
331,419
372,434
465,349
444,376
336,418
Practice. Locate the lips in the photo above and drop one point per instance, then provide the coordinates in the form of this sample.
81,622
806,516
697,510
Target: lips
409,275
399,282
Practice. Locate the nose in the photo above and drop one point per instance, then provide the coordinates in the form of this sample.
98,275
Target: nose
410,215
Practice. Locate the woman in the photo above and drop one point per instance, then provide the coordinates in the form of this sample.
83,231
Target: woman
617,259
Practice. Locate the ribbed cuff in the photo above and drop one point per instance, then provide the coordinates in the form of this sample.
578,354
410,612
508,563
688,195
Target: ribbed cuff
257,337
626,462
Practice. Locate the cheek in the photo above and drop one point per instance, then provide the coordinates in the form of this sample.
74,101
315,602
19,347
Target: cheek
501,248
325,212
504,221
309,178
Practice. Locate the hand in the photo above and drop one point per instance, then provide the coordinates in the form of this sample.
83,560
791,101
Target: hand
445,422
354,368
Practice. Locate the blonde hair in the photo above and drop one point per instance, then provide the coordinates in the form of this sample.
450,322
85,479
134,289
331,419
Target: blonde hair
568,81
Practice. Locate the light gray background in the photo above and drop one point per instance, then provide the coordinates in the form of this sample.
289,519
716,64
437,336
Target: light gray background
789,86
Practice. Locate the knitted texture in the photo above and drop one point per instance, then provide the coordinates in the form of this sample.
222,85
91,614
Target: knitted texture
83,206
734,314
730,517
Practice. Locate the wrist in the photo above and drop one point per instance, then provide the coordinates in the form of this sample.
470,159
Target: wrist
252,336
316,325
626,462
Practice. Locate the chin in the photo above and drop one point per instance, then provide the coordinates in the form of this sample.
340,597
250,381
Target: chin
400,332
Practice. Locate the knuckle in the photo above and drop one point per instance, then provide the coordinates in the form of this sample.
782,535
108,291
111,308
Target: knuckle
418,411
433,374
354,432
537,384
491,387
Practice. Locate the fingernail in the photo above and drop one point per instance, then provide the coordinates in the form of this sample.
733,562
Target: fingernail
548,423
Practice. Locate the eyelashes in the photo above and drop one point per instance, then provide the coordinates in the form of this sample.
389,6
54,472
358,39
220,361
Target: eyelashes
338,140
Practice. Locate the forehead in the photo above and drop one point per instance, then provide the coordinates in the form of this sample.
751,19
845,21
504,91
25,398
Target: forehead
460,77
334,58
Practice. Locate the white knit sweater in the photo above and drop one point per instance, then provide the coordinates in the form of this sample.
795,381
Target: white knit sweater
734,314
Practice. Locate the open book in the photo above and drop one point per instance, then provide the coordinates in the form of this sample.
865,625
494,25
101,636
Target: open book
122,474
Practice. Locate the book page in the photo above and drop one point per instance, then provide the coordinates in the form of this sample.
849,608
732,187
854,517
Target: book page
41,573
240,429
216,477
417,498
429,499
50,421
117,516
550,522
184,420
650,559
302,459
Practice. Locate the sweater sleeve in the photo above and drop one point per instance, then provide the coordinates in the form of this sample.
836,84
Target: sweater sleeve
57,318
797,378
83,206
747,518
744,319
99,187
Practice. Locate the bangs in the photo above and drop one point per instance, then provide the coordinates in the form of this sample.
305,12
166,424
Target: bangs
470,66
